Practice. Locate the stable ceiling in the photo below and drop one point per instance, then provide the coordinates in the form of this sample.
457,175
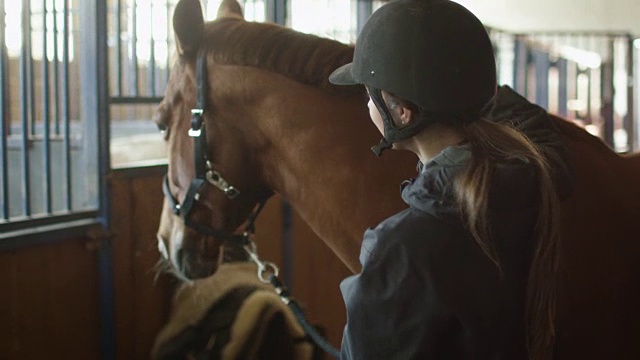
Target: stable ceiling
530,15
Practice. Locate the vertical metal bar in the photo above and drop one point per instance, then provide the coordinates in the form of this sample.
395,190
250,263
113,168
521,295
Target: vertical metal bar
24,107
4,119
8,97
589,73
630,125
31,77
95,113
134,49
66,109
152,57
119,46
169,32
287,243
364,10
520,65
606,94
46,138
277,11
56,69
541,63
562,87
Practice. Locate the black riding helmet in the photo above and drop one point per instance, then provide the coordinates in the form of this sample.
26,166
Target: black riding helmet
433,53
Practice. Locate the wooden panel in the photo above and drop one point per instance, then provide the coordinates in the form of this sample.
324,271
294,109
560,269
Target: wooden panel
269,232
49,301
316,272
142,302
316,279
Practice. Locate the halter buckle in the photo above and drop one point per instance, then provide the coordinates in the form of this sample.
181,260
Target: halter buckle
196,122
232,192
214,178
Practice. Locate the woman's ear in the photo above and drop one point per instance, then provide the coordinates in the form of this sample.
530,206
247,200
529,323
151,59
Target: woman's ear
405,115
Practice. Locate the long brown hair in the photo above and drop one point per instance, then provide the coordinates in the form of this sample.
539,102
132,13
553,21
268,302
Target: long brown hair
492,143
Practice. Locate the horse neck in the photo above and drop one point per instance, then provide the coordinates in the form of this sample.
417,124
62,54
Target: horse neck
321,163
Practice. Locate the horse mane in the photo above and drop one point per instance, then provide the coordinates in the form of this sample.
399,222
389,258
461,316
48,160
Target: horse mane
305,58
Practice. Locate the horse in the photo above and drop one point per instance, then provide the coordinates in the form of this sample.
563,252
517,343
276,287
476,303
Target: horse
270,122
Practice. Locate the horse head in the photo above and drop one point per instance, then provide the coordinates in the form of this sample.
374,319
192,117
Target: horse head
208,195
272,124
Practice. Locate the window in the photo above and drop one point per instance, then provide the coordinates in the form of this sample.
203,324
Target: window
141,45
48,154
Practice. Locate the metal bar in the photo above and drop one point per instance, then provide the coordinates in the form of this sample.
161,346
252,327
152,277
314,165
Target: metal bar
31,77
101,110
606,94
134,49
364,10
632,86
56,70
5,121
107,300
169,31
46,140
541,63
66,110
287,243
33,224
576,34
520,65
277,11
8,96
630,125
589,73
576,82
119,46
135,100
562,87
61,228
152,57
24,107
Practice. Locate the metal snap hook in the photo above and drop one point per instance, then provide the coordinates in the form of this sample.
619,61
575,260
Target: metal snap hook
264,267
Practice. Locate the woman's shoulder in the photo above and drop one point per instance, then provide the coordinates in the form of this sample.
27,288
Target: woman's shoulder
413,233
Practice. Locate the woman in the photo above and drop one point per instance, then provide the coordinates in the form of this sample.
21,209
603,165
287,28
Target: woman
468,270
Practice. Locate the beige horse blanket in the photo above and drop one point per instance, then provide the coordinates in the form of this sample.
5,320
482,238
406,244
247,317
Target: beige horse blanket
231,315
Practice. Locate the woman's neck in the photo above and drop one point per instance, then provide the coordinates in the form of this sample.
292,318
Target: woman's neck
431,141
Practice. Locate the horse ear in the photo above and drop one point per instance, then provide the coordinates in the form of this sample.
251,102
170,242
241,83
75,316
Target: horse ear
230,8
188,24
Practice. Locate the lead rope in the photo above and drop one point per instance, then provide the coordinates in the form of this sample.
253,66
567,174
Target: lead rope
265,267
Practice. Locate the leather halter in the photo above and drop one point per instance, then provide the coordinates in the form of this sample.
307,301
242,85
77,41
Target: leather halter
205,174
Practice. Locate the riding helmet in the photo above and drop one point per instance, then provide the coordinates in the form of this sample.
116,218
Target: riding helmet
433,53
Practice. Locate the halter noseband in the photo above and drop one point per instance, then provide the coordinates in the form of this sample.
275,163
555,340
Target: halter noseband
205,174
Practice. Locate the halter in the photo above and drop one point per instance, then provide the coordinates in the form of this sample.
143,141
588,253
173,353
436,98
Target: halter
205,174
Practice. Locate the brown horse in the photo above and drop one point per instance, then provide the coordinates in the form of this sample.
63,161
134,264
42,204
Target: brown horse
274,124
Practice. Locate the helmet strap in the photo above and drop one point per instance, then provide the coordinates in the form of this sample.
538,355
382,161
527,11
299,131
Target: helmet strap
381,147
393,133
387,120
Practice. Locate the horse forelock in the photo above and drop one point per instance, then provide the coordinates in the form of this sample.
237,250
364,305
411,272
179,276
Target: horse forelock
305,58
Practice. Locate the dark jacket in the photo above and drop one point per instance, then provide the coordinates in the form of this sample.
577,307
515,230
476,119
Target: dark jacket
426,290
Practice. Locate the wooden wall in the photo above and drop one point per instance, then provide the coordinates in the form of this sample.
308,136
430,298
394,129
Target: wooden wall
317,273
142,302
49,302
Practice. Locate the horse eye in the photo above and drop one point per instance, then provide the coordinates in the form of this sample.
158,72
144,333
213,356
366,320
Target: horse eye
164,131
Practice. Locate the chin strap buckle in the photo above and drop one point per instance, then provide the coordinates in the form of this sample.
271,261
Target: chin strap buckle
380,148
